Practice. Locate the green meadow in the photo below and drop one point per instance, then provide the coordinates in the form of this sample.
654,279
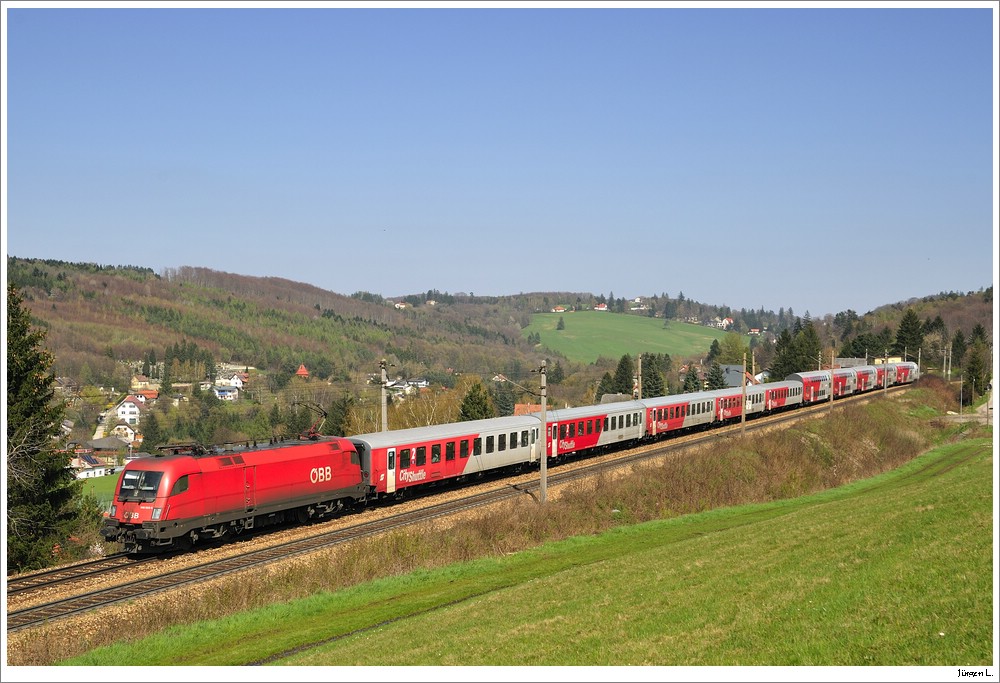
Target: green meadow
589,335
102,488
895,570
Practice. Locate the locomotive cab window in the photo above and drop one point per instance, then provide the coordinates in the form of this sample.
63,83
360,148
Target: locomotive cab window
139,485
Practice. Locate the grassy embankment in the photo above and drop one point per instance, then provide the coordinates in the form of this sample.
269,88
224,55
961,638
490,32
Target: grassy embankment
762,552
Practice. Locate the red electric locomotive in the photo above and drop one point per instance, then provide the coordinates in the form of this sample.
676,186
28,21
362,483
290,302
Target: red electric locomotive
190,493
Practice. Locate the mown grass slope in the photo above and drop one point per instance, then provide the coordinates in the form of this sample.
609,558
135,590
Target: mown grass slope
589,335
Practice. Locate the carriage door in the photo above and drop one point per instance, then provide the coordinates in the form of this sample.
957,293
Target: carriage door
390,470
250,488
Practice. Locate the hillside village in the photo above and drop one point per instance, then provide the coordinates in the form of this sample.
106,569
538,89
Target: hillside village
118,437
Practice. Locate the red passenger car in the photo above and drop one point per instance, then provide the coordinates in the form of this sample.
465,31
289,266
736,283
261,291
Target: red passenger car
402,459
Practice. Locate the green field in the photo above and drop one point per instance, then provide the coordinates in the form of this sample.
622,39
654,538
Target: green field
102,488
589,335
896,570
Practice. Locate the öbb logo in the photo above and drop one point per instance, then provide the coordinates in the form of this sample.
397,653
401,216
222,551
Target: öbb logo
320,474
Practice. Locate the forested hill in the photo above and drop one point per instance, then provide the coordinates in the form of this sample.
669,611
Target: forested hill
96,316
100,318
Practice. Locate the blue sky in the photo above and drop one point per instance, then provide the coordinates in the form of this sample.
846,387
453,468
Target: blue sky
796,157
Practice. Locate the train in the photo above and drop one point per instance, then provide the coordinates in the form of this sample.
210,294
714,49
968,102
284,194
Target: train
189,494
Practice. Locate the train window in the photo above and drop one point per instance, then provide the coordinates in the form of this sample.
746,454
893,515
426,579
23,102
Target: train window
553,432
421,456
605,424
489,444
501,442
392,460
436,453
628,420
670,413
139,484
562,431
524,438
579,427
614,422
404,458
477,446
180,486
463,449
513,440
572,430
449,450
590,426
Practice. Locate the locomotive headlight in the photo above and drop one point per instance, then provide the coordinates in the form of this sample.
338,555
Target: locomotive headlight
156,513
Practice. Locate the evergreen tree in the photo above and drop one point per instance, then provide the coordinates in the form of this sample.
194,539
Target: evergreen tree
652,379
274,416
336,418
691,380
561,325
502,394
605,386
476,405
978,334
44,502
557,374
807,347
716,377
783,363
977,369
958,348
910,334
713,351
624,376
152,434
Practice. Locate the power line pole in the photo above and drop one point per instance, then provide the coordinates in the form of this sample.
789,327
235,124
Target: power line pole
743,383
831,381
385,381
639,377
545,442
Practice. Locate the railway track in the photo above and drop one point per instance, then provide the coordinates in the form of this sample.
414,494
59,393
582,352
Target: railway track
48,612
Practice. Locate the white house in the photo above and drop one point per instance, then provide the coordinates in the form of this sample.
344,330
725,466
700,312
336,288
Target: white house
129,410
226,393
123,431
